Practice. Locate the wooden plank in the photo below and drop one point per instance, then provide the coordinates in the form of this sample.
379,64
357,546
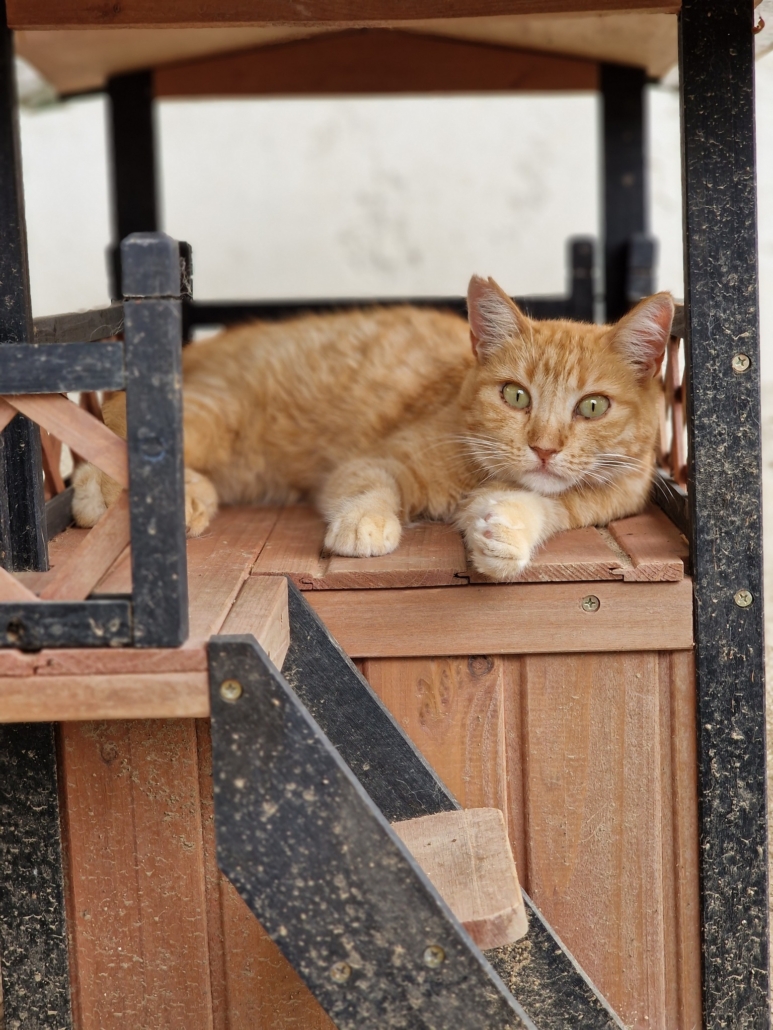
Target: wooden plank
51,14
508,619
467,857
7,413
76,578
261,609
293,548
134,845
594,811
102,661
11,589
78,429
657,549
124,696
373,61
573,556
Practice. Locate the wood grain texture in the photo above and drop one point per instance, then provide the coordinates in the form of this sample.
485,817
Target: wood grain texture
595,811
74,579
505,619
467,857
124,696
373,61
51,14
657,549
102,661
136,871
7,413
261,609
433,554
86,435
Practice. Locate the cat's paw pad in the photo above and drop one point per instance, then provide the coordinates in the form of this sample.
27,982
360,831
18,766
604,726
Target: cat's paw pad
363,534
501,539
200,502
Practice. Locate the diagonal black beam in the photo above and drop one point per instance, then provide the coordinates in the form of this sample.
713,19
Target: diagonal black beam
539,971
328,878
722,321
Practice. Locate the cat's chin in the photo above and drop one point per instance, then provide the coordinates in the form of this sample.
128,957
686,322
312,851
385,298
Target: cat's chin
545,483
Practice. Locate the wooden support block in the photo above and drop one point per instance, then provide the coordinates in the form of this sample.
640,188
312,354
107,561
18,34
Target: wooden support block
82,432
74,579
261,609
467,857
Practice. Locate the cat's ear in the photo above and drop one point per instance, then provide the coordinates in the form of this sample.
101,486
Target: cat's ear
643,333
494,319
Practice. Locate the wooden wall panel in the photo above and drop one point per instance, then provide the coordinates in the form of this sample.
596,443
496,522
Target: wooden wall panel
453,709
138,913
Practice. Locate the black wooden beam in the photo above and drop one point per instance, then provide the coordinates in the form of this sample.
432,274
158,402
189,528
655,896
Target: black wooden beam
72,326
61,367
722,321
624,215
33,934
153,346
22,522
330,881
539,971
132,154
32,625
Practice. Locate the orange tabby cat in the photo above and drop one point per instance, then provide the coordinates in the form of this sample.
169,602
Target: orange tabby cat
385,415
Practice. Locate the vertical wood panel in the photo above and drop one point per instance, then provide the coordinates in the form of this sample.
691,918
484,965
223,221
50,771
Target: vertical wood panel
594,820
136,869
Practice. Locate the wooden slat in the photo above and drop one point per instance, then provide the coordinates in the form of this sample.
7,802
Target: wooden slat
122,696
7,413
261,609
467,857
574,556
103,661
50,14
504,619
457,711
592,753
11,589
86,435
374,61
76,578
655,546
293,548
138,913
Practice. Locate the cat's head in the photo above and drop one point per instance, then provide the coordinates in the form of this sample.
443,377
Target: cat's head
556,404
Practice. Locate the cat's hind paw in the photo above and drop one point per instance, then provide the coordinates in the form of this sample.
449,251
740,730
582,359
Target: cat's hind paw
363,534
200,502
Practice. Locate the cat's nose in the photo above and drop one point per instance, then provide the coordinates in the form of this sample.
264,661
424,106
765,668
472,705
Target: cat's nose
544,453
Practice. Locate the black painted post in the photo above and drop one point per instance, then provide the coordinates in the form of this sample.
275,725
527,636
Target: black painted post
624,204
33,934
22,522
132,161
721,301
152,267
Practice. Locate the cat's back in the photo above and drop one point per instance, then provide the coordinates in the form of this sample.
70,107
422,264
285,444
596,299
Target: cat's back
382,355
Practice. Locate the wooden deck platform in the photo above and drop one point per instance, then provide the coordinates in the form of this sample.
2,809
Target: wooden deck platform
397,605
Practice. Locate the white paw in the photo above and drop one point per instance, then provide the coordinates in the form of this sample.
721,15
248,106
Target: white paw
501,536
88,502
363,534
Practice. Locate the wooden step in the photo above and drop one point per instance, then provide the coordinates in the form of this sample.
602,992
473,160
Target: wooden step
467,858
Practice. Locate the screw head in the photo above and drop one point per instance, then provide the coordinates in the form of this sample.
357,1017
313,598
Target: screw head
340,972
741,362
231,690
590,603
433,956
743,598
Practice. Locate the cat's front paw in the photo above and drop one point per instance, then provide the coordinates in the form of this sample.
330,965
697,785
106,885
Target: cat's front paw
359,533
502,532
200,502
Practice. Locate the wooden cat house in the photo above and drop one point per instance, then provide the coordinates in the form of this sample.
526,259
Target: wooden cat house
164,779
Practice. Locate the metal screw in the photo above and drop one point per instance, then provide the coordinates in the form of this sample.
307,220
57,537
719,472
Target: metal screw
590,603
340,972
741,362
743,598
433,956
231,690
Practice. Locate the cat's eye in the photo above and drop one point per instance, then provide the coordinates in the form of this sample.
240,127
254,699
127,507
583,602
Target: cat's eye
593,406
516,396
